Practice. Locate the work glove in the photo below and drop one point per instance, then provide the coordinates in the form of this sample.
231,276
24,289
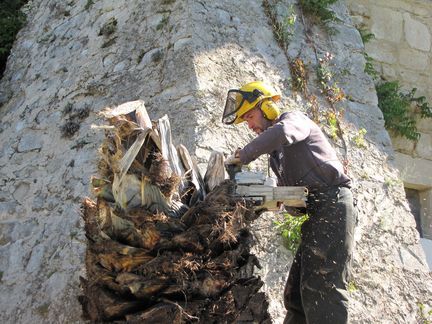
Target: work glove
233,158
233,164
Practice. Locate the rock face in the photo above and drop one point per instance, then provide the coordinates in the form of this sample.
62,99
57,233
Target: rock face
180,56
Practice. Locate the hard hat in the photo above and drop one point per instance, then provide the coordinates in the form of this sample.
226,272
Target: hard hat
240,101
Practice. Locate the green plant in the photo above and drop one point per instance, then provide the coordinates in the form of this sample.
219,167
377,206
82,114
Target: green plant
88,4
359,138
283,27
68,108
351,287
49,274
422,105
109,28
365,35
163,22
299,75
109,42
11,21
313,108
400,110
290,229
364,175
43,310
389,182
425,315
319,9
332,122
329,87
369,67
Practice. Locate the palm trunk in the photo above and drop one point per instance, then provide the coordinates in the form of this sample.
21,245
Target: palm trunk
157,250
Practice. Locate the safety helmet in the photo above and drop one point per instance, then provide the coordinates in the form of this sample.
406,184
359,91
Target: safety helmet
240,101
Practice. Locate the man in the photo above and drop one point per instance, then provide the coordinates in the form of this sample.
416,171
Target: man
300,155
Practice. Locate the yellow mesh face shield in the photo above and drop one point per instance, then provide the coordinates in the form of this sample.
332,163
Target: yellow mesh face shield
235,101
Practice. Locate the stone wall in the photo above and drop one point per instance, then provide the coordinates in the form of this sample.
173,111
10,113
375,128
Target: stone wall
65,61
402,50
180,57
402,47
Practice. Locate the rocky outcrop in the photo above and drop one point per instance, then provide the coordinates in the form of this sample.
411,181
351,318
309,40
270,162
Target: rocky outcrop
76,57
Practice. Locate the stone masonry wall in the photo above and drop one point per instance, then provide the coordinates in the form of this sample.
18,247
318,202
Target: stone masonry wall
402,47
402,50
180,57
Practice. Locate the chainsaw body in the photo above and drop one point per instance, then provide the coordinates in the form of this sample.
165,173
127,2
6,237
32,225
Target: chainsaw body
263,192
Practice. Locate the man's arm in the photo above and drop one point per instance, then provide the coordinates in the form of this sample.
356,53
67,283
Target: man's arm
286,132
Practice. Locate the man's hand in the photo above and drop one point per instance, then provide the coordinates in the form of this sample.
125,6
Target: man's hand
234,158
233,164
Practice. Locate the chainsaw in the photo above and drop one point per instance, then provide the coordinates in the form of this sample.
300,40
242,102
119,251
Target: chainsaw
262,191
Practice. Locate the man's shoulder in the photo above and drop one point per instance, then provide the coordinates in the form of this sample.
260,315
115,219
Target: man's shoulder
293,115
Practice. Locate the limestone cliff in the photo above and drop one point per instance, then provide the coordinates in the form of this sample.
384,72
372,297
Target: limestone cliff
76,57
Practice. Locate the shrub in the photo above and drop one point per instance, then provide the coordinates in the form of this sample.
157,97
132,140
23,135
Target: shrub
400,109
283,27
290,229
319,9
11,21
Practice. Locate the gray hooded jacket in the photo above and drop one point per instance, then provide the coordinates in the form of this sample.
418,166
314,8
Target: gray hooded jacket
300,154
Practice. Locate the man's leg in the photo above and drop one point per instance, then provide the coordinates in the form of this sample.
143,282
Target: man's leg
292,295
325,259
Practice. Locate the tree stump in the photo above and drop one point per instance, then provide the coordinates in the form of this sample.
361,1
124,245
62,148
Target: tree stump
160,249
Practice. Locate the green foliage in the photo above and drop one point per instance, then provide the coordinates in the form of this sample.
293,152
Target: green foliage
366,36
283,28
88,4
319,9
391,182
290,229
359,138
11,21
163,22
351,287
109,28
299,75
43,310
425,315
332,122
325,76
369,68
400,110
422,105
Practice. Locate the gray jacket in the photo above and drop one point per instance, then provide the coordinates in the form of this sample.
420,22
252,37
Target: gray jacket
300,154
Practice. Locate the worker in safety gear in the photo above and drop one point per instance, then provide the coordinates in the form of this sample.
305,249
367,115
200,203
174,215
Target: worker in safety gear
301,155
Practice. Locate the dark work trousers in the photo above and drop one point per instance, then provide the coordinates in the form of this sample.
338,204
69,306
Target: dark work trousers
315,291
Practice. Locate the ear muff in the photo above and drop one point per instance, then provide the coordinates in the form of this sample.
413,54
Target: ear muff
270,110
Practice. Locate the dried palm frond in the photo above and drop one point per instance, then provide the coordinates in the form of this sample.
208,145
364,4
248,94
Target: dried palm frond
168,150
215,173
161,313
125,231
134,109
192,173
